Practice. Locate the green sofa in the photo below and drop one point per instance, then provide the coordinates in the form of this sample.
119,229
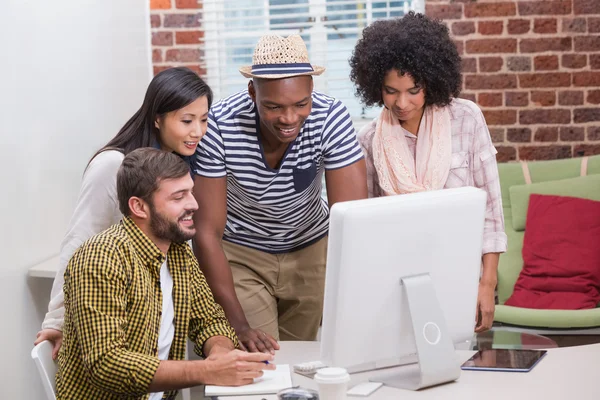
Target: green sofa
559,177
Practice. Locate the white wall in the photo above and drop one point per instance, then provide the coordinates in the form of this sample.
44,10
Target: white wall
71,73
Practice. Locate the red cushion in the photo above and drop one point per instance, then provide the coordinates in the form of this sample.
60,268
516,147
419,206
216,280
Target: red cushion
561,255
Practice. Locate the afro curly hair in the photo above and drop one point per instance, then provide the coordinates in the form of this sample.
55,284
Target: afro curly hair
414,45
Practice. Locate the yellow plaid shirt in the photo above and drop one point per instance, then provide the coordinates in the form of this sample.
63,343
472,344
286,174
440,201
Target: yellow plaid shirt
113,306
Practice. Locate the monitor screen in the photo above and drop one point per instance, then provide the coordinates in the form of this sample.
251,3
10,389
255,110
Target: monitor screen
373,244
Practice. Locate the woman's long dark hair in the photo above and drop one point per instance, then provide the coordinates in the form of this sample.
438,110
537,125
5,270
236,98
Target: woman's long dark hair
169,90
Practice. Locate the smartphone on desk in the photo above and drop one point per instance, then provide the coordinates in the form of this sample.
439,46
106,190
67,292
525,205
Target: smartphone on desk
504,360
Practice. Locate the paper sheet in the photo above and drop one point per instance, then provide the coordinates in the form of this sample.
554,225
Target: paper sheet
270,382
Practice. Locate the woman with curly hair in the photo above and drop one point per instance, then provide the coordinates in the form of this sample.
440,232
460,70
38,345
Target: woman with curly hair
426,138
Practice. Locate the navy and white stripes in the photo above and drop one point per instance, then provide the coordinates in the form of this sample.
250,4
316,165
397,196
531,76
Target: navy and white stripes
279,210
281,69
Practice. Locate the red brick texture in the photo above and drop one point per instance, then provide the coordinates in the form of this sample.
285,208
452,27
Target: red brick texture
177,34
533,67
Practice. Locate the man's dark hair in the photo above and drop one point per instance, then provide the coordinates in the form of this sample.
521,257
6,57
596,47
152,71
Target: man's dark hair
142,171
414,45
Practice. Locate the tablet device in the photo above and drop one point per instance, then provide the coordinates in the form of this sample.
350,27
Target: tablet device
504,360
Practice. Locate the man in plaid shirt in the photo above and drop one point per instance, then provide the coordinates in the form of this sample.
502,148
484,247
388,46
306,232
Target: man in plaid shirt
135,291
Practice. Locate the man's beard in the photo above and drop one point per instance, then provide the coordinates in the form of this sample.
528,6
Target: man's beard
165,229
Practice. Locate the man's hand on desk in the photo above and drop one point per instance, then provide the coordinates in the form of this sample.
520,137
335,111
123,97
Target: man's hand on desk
53,335
235,368
255,340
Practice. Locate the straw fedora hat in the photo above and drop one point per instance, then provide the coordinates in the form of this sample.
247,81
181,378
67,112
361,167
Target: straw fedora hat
276,57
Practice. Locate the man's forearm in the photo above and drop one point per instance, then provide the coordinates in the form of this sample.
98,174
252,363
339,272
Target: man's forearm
113,371
225,295
216,269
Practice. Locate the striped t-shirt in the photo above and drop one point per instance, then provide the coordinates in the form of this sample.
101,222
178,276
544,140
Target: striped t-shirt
275,210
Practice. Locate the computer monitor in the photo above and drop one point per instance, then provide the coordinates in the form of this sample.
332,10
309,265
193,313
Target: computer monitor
401,283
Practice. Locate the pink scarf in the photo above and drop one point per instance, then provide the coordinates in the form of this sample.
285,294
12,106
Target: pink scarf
396,167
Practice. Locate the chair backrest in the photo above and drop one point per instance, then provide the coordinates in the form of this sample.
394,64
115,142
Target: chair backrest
42,356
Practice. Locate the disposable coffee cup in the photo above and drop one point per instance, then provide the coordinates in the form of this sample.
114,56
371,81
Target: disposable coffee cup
333,383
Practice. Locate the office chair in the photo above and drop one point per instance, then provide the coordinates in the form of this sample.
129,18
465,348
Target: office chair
42,356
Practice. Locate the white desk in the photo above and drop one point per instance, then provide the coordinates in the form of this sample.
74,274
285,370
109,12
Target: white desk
565,373
45,269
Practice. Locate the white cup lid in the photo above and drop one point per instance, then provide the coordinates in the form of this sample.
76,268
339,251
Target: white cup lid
332,375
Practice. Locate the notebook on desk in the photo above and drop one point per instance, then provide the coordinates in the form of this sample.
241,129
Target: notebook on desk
270,382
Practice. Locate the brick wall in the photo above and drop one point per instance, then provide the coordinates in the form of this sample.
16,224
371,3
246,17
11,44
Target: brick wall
176,34
532,66
534,69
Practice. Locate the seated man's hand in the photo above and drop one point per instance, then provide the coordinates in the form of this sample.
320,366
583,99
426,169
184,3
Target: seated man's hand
236,368
255,340
53,335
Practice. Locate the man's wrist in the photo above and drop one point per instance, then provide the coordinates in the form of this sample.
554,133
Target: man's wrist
218,344
220,350
224,346
199,371
240,326
235,315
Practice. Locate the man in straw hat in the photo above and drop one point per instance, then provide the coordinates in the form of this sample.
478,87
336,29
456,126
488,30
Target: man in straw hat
261,224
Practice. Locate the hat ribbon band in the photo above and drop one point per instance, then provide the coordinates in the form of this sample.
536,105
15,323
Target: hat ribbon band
281,69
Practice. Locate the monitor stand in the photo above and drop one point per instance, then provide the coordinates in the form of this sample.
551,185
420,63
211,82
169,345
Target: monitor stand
438,362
